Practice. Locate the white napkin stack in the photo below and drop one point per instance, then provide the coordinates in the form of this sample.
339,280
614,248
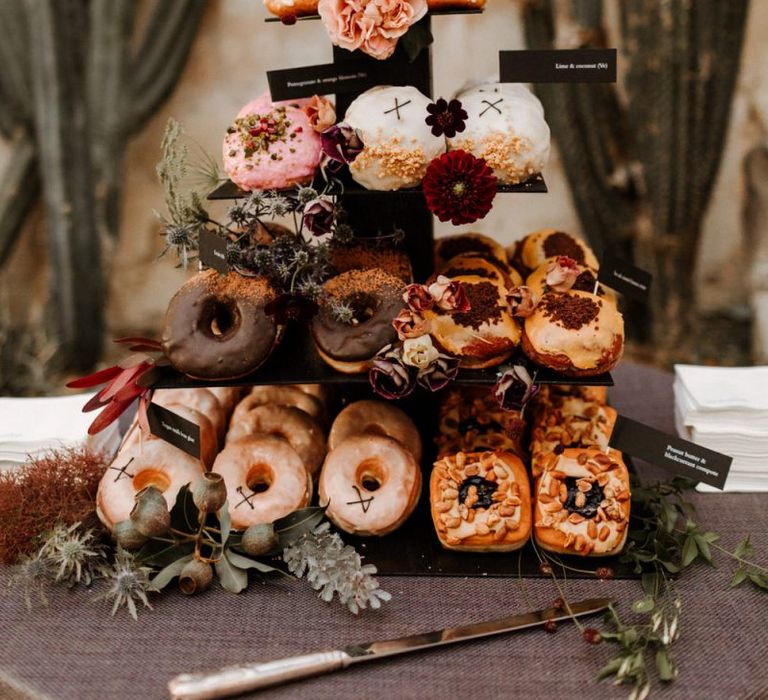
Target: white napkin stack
726,410
30,427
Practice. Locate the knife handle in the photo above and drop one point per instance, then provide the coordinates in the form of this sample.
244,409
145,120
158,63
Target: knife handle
243,678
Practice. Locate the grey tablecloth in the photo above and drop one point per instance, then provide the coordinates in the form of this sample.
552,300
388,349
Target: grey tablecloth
74,650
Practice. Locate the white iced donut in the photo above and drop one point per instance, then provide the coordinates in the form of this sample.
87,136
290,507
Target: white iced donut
153,463
302,432
508,132
511,91
265,480
397,142
371,485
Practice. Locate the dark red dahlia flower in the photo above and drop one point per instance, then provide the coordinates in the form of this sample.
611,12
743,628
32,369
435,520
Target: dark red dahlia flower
459,187
446,118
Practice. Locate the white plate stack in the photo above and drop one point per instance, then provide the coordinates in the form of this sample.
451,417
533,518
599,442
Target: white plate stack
726,410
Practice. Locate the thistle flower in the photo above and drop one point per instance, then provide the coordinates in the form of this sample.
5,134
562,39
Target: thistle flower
72,554
311,289
128,583
238,214
30,578
334,568
181,240
342,311
304,195
343,233
279,206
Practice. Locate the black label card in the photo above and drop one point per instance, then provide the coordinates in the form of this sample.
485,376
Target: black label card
672,453
558,66
213,251
174,429
625,278
349,76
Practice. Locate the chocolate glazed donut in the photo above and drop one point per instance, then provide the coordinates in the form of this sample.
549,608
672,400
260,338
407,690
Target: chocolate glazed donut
375,299
216,326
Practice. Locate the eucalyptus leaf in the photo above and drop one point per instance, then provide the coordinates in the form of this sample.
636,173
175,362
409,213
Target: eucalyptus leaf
231,578
160,554
610,668
744,547
690,551
644,605
242,562
291,527
184,514
664,665
671,566
739,577
650,583
170,572
225,523
704,550
711,537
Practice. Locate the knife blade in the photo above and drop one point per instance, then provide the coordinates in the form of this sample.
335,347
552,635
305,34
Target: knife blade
243,678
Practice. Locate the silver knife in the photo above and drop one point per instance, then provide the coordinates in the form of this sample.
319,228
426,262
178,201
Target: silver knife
243,678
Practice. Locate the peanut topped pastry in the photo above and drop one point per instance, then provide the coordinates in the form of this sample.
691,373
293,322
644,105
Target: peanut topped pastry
481,502
582,502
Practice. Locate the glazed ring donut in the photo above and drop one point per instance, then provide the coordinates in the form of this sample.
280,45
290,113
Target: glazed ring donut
538,247
575,333
475,244
481,502
216,326
469,264
369,417
265,480
288,9
375,298
228,396
582,503
280,396
585,282
209,439
321,392
153,463
484,336
299,429
202,400
371,484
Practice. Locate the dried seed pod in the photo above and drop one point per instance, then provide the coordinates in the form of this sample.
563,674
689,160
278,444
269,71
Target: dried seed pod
209,494
259,539
150,514
127,536
195,577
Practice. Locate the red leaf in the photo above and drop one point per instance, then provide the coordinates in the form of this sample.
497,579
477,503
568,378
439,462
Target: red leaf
100,377
129,392
127,376
110,414
96,401
134,360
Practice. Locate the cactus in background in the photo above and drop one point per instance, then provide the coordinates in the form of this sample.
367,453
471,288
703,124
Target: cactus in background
71,93
642,169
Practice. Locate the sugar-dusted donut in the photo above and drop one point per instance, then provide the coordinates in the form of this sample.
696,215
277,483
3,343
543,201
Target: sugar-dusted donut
152,463
484,336
299,429
370,417
481,502
582,503
575,333
265,480
371,484
202,400
540,246
271,146
280,396
373,299
216,326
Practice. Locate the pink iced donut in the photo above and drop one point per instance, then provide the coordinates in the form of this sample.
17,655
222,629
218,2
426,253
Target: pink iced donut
271,146
265,479
153,463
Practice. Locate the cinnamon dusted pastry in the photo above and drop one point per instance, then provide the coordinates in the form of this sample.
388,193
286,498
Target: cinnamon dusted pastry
553,394
585,282
538,247
476,244
485,335
471,420
575,333
470,264
582,502
590,426
481,502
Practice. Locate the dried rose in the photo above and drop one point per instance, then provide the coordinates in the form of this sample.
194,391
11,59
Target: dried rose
320,112
449,295
514,388
562,273
521,301
418,298
341,143
409,324
439,373
319,215
419,352
388,377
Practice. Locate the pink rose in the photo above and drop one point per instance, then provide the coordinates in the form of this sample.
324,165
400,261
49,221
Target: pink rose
320,112
373,26
521,301
562,273
449,295
409,324
418,298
